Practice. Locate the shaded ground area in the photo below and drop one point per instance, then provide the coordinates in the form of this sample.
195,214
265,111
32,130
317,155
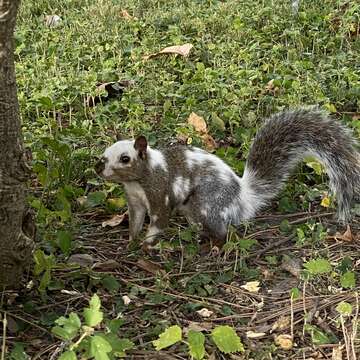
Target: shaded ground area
170,287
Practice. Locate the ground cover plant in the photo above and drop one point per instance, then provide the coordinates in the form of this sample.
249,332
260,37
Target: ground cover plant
286,285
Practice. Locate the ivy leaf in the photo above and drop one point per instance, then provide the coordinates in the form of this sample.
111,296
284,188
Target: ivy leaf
344,308
68,327
196,344
68,355
318,266
64,239
93,316
226,339
347,280
169,337
99,348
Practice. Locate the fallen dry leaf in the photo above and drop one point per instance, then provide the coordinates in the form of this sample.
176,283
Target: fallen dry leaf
115,220
209,142
292,265
251,286
126,15
81,259
182,50
52,20
254,335
200,127
198,123
126,300
198,326
346,236
284,341
204,312
281,324
149,266
107,265
336,353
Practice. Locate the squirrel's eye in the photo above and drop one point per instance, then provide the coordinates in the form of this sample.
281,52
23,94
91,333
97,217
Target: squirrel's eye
124,159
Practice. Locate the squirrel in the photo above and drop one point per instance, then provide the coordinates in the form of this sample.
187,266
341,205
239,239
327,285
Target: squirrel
204,189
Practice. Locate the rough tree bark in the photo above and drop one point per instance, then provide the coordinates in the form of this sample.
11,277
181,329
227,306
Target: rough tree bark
15,246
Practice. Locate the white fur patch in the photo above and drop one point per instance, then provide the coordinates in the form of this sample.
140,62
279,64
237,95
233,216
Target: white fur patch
134,190
151,234
154,218
196,157
251,201
113,153
181,188
157,159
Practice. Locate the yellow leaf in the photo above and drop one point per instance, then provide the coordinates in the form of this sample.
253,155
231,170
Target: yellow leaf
252,286
284,341
182,50
198,123
325,202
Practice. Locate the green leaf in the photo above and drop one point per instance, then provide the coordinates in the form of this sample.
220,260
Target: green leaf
115,324
64,239
68,355
68,327
344,308
318,266
226,339
119,346
347,280
169,337
18,352
295,293
196,344
99,348
93,316
110,283
95,198
317,336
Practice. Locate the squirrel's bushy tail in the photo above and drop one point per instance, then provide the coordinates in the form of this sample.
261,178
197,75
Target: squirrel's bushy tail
288,137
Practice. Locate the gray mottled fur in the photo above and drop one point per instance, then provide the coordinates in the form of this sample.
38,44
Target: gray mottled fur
207,192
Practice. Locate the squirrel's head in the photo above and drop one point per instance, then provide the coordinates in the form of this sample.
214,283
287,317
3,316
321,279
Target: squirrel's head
123,161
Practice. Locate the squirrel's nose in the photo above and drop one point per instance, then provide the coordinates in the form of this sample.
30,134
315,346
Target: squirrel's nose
100,166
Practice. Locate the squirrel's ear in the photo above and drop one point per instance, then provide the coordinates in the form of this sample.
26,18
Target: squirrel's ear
141,145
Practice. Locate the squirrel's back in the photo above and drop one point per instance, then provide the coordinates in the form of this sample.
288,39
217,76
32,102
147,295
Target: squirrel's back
285,139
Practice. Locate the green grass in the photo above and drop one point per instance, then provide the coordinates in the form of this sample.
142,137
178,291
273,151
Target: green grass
239,48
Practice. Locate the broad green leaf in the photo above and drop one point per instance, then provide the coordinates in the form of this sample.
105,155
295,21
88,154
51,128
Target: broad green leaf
347,280
196,344
115,324
344,308
110,283
68,327
95,198
318,266
169,337
18,352
318,337
119,346
99,348
226,339
93,316
68,355
64,239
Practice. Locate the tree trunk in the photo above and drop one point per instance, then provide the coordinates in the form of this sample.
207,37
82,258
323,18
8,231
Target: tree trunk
15,246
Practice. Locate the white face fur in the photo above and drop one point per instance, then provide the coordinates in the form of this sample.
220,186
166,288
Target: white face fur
119,159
